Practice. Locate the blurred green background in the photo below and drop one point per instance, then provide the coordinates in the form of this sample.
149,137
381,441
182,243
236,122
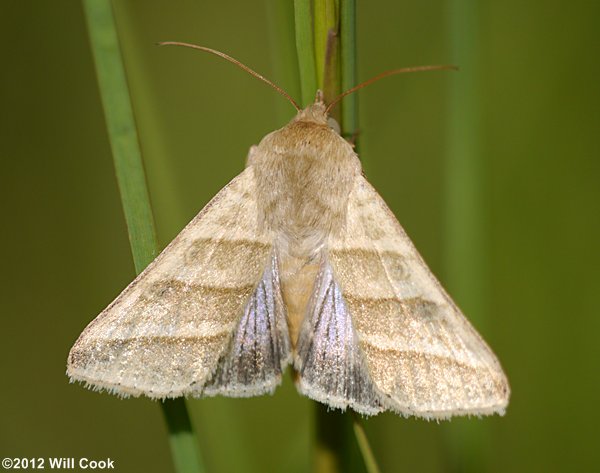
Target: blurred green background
66,253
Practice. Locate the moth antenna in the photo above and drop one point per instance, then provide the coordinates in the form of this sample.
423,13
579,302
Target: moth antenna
386,74
237,63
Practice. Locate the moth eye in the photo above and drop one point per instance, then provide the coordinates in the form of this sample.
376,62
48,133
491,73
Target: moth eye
335,126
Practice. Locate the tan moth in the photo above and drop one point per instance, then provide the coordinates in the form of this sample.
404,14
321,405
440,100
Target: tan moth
297,261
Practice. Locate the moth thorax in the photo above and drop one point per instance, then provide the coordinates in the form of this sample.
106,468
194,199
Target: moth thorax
304,174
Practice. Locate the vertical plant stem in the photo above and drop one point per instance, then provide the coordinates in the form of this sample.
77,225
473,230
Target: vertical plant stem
338,444
182,438
365,447
327,49
134,193
305,48
121,132
330,440
465,214
325,16
284,57
349,113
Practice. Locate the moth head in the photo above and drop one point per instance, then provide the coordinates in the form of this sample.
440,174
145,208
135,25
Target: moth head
317,113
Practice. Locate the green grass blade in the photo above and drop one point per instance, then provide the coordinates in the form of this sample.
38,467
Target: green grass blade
305,48
349,106
134,192
182,438
336,447
320,37
326,21
122,132
365,447
282,46
465,215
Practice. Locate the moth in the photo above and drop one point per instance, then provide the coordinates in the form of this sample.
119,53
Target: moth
296,262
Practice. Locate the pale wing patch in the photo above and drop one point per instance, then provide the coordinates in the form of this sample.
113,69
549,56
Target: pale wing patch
166,332
421,351
331,367
259,350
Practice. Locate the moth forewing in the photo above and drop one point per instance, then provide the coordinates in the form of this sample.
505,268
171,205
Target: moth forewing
166,333
421,352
